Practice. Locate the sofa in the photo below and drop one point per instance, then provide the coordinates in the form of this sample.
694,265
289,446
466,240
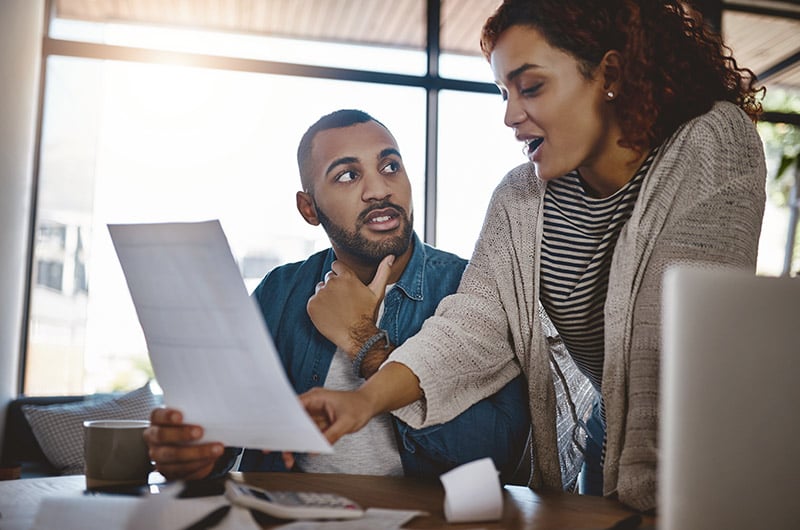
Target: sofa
20,447
43,435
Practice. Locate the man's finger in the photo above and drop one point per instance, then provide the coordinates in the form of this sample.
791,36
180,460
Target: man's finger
169,435
339,269
166,416
174,454
381,278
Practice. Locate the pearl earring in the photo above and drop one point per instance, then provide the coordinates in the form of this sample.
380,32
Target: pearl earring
610,94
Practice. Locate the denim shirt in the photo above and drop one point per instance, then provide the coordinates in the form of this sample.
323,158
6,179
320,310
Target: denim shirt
496,427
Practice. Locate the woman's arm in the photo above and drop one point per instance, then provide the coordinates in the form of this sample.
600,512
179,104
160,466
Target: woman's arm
468,349
337,413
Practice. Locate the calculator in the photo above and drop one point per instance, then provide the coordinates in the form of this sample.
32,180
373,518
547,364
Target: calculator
293,504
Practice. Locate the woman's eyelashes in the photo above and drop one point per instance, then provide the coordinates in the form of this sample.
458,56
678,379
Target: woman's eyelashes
531,90
523,91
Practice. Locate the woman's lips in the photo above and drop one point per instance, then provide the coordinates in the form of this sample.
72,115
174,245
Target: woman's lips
532,146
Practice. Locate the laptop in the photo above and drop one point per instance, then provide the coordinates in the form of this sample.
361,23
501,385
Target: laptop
730,401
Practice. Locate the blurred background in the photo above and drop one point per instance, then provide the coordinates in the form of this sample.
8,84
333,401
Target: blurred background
189,110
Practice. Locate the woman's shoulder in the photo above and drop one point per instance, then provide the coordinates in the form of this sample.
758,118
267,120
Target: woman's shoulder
718,148
724,123
725,136
521,179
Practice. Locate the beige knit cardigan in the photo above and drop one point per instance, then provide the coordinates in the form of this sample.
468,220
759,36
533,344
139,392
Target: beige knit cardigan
702,203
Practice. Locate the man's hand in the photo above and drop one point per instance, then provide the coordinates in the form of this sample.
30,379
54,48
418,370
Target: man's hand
173,446
344,310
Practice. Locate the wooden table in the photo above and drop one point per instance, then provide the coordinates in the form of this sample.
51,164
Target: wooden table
522,507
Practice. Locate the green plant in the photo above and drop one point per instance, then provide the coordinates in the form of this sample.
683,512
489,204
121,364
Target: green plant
782,149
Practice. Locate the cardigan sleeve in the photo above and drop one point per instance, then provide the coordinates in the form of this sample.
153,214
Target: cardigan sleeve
466,350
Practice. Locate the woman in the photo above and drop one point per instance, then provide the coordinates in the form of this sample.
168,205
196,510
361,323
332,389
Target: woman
642,155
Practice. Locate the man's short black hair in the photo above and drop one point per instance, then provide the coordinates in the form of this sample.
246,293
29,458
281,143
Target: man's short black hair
334,120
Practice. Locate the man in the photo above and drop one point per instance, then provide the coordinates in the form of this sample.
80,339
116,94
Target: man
355,186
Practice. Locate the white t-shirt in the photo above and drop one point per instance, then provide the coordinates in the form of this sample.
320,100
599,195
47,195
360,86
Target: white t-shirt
370,451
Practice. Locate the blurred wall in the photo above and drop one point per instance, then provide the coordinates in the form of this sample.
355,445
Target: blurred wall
21,25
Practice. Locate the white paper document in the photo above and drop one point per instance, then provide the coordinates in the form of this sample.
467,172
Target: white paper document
210,349
121,512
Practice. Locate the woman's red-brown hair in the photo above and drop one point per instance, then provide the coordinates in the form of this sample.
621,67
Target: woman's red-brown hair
674,67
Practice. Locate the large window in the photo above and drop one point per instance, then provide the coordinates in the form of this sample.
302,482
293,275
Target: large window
149,141
127,142
475,151
169,121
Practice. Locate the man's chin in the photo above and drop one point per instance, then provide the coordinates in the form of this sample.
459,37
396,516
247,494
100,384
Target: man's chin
396,237
396,246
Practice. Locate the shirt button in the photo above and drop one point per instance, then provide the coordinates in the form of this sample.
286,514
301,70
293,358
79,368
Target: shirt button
315,378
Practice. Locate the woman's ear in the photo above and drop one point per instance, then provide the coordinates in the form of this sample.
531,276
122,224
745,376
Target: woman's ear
611,70
305,205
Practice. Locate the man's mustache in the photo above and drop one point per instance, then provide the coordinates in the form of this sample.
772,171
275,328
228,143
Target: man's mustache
362,217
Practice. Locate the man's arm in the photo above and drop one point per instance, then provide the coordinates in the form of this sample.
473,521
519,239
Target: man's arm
344,310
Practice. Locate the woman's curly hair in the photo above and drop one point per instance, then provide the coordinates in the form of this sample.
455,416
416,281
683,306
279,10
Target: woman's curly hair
674,67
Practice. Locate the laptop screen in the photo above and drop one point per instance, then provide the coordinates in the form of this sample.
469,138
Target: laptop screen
730,401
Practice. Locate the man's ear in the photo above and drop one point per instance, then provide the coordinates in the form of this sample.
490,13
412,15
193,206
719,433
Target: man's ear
611,70
305,205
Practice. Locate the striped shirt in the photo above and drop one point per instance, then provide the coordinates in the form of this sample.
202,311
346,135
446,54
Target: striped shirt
580,233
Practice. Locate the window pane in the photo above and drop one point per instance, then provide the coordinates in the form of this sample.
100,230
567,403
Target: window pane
467,67
462,21
475,151
125,142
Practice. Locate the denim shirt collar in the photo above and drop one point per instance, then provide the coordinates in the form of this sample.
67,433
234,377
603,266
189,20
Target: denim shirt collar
411,282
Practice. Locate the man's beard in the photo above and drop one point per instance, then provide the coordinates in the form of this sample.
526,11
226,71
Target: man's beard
357,245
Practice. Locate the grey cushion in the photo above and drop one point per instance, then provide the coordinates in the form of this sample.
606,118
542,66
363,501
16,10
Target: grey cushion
59,428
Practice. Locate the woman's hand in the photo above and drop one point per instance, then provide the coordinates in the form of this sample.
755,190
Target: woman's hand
337,413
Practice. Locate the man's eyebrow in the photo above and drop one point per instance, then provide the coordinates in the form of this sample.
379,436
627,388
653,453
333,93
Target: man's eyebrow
341,161
389,151
352,160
